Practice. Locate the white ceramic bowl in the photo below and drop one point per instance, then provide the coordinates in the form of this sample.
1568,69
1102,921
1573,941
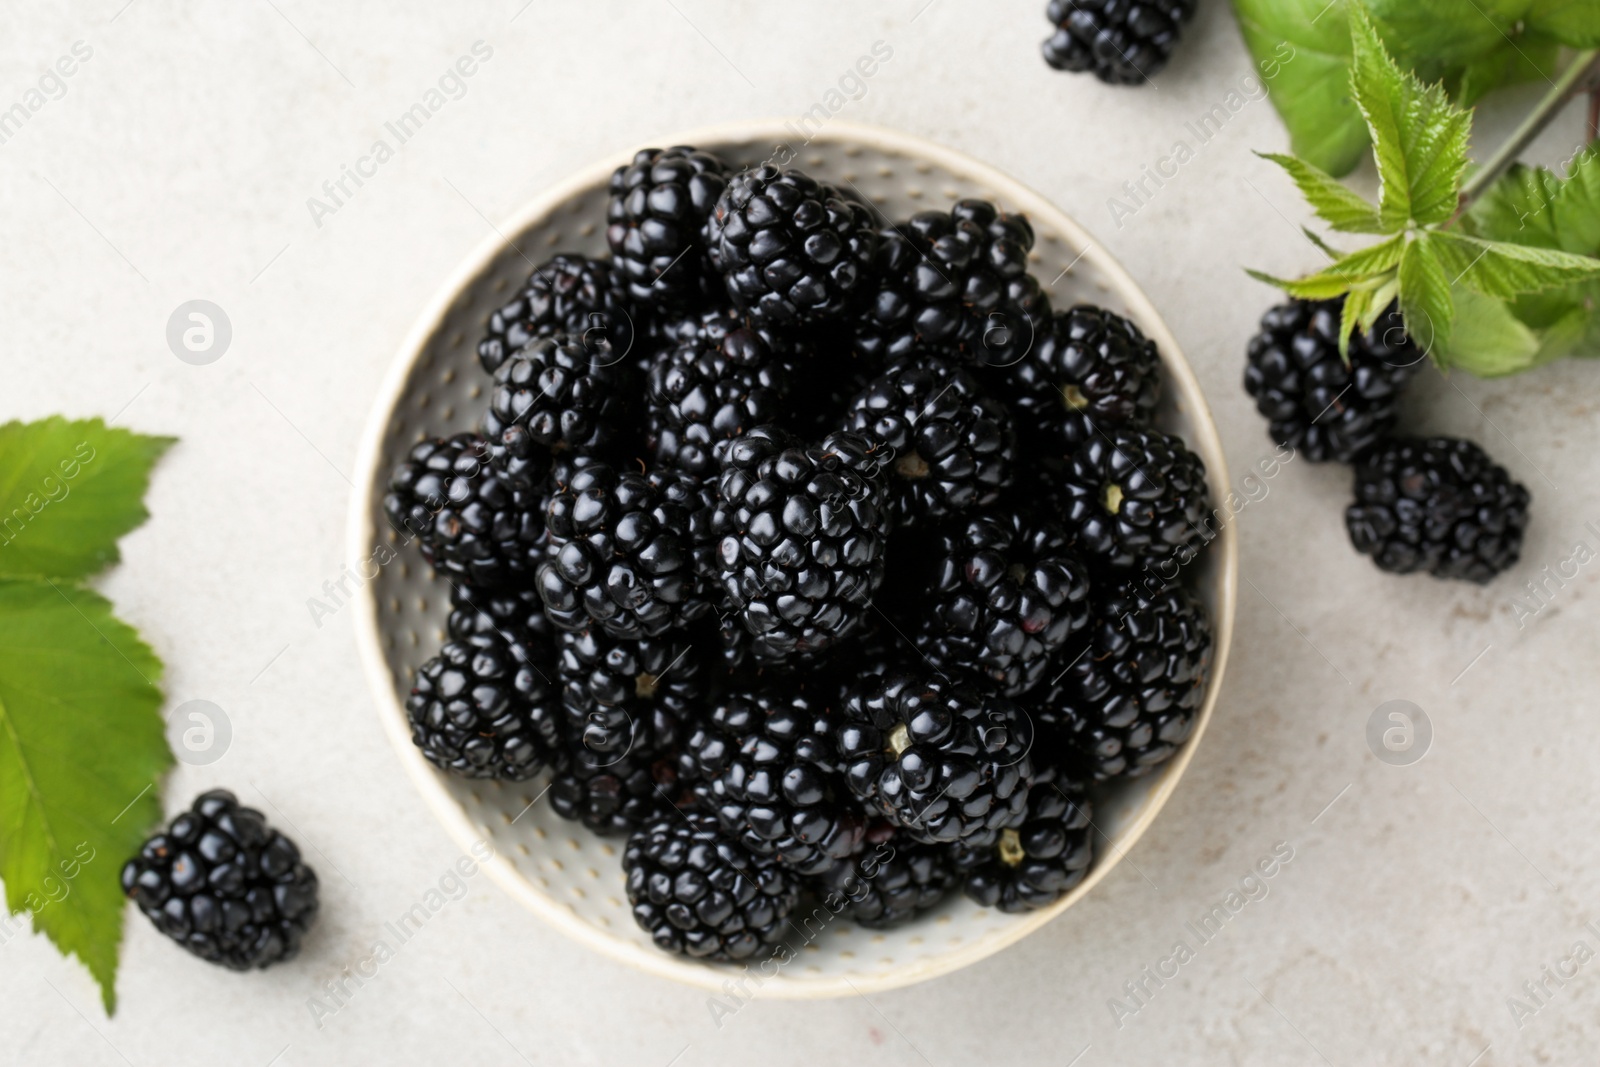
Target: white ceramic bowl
568,876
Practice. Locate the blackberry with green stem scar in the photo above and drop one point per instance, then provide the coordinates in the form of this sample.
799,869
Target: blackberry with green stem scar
1136,498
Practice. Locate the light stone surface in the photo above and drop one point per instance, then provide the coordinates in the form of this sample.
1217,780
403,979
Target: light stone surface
177,166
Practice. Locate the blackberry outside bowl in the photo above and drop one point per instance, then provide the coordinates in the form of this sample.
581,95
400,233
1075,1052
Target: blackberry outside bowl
558,869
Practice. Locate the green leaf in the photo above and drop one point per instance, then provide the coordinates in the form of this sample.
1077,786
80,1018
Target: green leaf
1425,302
82,748
1502,269
1302,53
1320,286
1316,239
1419,137
1575,23
1488,340
68,490
1338,206
1356,305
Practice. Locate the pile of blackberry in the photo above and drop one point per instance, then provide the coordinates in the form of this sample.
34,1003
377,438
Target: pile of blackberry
790,570
1436,504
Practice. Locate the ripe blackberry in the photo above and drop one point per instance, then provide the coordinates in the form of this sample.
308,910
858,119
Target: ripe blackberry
553,393
1136,498
703,393
790,249
1437,504
612,795
223,884
1005,591
1089,370
486,708
572,295
654,222
802,536
622,553
470,521
952,443
770,767
699,894
1316,402
943,760
1122,42
1037,863
892,882
1134,683
623,696
954,280
476,610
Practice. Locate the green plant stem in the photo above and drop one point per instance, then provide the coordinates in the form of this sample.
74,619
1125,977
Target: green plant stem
1579,77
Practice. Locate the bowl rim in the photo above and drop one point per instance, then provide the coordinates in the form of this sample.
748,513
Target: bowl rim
362,536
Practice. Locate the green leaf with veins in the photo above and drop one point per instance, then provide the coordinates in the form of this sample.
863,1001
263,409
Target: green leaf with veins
82,749
1381,94
1425,302
1302,53
1502,269
68,490
1336,204
1488,339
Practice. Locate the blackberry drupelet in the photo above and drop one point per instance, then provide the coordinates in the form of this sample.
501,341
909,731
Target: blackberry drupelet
554,394
1437,504
223,884
655,221
1124,42
476,610
957,280
622,553
802,533
1134,684
699,894
1005,591
572,295
892,882
1316,402
770,776
945,761
952,443
622,696
486,707
703,393
1037,863
613,795
1090,370
470,521
791,249
1136,498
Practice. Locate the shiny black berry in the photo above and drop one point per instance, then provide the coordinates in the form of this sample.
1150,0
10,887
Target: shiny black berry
1035,864
698,893
486,707
554,393
658,208
790,249
952,443
704,392
572,295
223,884
945,761
1136,499
893,881
475,525
1123,42
1317,402
1439,505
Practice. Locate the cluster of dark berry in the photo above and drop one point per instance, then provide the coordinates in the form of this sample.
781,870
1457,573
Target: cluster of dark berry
1121,42
815,554
1435,504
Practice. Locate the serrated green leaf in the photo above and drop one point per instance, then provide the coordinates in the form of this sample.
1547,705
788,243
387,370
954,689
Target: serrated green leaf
1488,340
1520,208
1338,206
68,490
82,748
1356,306
1302,53
1501,269
1361,267
1380,94
1321,286
1425,302
1316,239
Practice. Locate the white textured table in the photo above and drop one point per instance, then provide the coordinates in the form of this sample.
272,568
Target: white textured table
178,164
